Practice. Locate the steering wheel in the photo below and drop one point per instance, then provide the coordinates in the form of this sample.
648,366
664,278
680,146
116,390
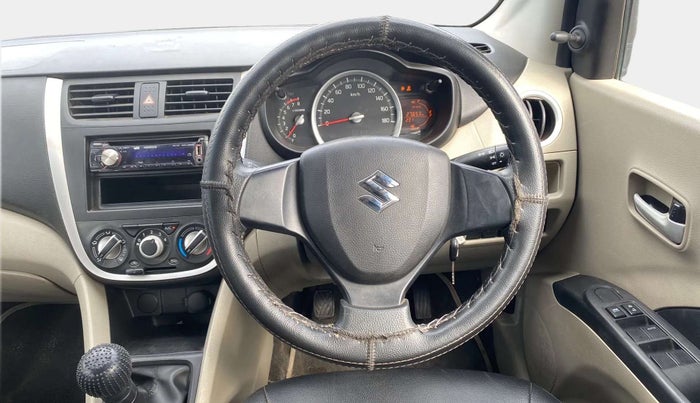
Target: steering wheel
374,209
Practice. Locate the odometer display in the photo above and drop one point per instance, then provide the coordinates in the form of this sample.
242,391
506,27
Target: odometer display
418,115
355,103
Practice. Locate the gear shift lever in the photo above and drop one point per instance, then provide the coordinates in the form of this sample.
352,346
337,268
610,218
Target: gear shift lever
105,372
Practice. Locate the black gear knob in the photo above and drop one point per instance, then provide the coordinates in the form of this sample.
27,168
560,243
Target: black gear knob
105,372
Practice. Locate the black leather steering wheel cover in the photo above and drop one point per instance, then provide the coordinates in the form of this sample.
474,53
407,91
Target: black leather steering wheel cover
223,182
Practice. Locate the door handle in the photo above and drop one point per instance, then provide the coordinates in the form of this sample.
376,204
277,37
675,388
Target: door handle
662,221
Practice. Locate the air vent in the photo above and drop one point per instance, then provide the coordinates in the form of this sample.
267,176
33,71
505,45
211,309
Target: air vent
100,101
184,97
544,116
482,47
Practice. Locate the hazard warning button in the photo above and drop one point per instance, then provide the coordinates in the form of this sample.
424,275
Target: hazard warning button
148,100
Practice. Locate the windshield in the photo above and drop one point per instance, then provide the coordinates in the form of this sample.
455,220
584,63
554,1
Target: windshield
32,18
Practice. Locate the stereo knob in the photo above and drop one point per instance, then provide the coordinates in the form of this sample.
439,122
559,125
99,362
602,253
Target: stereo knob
196,243
110,157
151,247
109,247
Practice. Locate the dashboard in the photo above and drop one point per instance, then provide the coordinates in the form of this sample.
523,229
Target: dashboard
108,151
361,94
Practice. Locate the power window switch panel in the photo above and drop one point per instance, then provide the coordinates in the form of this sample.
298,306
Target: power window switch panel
616,312
632,309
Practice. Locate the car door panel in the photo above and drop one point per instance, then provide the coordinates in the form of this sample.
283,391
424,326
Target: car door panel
630,141
623,129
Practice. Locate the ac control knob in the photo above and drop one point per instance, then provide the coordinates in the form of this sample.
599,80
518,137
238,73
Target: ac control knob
110,158
108,248
196,242
193,244
151,247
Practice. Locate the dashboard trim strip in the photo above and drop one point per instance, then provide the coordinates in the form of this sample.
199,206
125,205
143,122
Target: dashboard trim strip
54,144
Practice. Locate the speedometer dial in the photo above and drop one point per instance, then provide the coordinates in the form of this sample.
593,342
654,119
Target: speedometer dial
355,103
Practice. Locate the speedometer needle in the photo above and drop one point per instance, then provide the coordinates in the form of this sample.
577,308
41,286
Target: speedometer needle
297,122
354,118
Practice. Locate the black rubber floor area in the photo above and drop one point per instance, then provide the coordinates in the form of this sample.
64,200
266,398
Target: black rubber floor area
41,346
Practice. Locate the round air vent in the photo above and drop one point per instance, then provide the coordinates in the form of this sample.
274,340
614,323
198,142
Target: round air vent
545,114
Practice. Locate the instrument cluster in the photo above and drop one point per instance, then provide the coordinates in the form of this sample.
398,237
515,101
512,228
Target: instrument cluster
362,93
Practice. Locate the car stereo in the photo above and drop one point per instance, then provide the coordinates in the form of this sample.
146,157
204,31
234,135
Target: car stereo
118,156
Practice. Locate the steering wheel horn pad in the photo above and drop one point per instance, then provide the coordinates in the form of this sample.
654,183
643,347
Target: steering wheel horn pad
383,239
374,210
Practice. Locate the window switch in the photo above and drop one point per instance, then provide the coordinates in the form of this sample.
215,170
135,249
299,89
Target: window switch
632,309
654,332
681,357
616,312
637,334
662,359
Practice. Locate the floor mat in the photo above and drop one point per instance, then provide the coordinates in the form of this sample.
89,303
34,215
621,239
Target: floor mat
41,345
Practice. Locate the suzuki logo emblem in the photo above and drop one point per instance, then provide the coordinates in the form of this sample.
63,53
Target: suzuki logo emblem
378,184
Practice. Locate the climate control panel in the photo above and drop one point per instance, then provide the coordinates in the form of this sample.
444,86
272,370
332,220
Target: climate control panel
141,248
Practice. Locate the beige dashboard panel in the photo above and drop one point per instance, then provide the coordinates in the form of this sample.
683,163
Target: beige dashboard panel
237,353
36,249
566,357
36,263
16,286
537,79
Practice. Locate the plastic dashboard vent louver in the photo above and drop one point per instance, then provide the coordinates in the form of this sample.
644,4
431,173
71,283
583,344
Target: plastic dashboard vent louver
482,47
542,116
183,97
100,101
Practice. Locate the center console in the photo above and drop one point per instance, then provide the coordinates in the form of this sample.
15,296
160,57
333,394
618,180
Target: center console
146,170
126,156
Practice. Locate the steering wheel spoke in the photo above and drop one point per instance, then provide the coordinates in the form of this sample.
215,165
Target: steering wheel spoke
481,202
269,199
368,320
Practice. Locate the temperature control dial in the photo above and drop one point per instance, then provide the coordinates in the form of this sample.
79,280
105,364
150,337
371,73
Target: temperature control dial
152,245
193,244
108,248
